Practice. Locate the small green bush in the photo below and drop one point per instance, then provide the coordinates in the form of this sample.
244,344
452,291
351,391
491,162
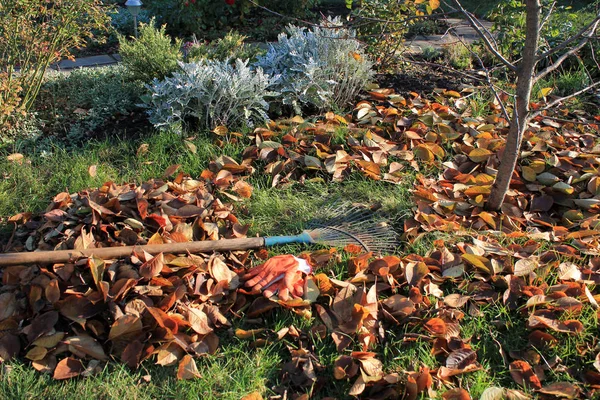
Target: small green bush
457,55
426,27
231,46
431,53
188,17
563,83
33,35
152,55
74,106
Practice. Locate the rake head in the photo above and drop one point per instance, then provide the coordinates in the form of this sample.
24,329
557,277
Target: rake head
344,224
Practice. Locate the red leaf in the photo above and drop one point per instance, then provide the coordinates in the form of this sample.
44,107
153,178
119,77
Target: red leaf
152,267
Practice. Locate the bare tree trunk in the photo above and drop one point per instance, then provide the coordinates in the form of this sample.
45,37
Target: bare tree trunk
520,119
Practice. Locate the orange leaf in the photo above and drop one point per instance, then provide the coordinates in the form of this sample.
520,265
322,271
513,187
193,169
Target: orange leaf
523,375
243,189
437,326
187,368
68,368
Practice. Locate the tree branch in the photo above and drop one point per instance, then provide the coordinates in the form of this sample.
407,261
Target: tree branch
476,25
561,99
548,15
488,78
564,56
573,38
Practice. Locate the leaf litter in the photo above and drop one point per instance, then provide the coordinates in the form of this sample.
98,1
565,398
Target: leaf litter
68,319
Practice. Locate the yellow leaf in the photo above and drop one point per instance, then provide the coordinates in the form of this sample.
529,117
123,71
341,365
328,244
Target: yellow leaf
538,166
480,155
488,218
545,91
434,4
191,146
221,130
423,153
528,173
36,353
15,157
477,190
478,262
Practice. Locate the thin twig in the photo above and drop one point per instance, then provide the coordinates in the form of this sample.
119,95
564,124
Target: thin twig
488,77
479,29
566,55
568,41
442,66
561,99
567,121
547,17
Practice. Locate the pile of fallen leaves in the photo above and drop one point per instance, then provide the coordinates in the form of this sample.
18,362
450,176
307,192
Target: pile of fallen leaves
133,308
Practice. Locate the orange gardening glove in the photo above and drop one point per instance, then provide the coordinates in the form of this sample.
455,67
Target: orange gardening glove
281,274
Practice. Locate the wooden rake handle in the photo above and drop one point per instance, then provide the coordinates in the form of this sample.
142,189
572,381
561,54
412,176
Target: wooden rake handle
62,256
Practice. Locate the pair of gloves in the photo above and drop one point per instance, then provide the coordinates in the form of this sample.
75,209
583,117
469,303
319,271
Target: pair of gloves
281,275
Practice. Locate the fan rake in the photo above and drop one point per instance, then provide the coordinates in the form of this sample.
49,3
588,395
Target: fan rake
341,225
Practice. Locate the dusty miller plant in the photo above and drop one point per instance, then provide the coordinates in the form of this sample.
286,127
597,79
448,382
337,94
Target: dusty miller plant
318,68
213,92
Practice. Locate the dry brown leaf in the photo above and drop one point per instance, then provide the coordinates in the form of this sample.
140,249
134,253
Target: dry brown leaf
523,375
456,394
187,368
68,368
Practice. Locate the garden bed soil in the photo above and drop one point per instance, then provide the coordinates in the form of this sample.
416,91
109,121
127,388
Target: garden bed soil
423,78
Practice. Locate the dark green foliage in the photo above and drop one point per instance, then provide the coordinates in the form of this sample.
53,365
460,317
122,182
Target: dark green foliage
77,105
152,55
187,17
231,46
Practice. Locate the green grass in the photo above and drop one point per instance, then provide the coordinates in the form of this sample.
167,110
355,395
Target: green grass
230,374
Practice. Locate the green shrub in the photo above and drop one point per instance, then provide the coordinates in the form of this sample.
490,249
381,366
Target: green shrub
431,53
187,17
456,54
121,20
426,27
383,39
152,55
34,34
231,46
76,105
563,83
564,22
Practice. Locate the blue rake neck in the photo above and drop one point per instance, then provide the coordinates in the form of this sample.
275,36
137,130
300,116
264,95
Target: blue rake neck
304,237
